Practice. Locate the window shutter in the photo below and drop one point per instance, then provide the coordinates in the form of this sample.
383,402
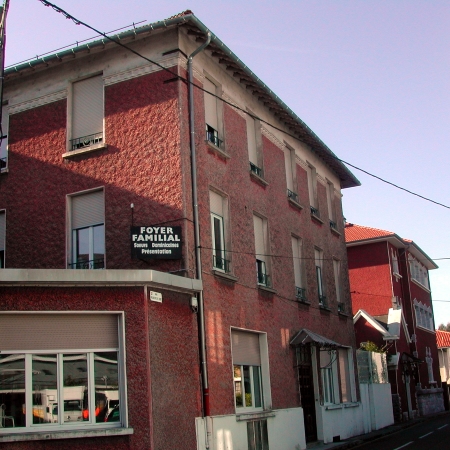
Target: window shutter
296,255
216,203
210,104
260,248
58,331
4,143
2,230
87,112
289,169
245,348
318,257
88,209
251,140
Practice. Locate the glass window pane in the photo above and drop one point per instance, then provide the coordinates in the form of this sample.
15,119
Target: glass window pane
106,373
82,247
99,246
257,386
45,393
247,386
12,391
238,386
75,386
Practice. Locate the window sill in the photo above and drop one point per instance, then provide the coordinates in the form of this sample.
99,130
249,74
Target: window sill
324,308
254,415
420,285
302,302
341,406
4,170
82,151
343,314
295,204
335,232
224,275
316,218
396,275
217,150
266,289
258,179
425,329
66,434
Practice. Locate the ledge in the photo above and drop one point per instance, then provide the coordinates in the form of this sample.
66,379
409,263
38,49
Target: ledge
82,151
295,204
254,415
324,308
66,434
4,170
343,315
266,289
225,276
258,179
335,232
107,277
316,218
420,285
217,150
396,275
302,302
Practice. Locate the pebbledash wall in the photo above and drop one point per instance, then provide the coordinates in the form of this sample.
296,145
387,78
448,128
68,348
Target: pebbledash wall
145,162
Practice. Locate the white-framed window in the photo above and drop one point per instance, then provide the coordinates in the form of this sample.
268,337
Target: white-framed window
87,230
345,378
2,238
213,112
57,378
338,283
331,205
291,173
318,258
312,189
250,370
254,143
4,140
219,225
418,271
262,251
257,435
424,315
299,268
87,113
394,259
328,373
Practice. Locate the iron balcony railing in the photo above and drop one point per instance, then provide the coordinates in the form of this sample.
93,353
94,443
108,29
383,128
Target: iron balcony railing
213,136
315,212
221,264
292,195
323,301
300,293
256,170
86,141
3,162
341,307
92,264
333,225
263,279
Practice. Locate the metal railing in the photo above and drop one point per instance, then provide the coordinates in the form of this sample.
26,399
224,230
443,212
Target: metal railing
263,279
3,163
323,301
341,307
92,264
213,136
292,195
333,225
300,293
256,170
86,141
220,263
315,212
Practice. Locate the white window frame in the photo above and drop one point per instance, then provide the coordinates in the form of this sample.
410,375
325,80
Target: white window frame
424,316
260,227
4,142
329,376
299,267
291,173
254,144
84,425
219,212
331,203
318,258
337,279
312,187
418,272
213,106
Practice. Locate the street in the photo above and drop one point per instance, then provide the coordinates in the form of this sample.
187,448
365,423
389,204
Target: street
434,434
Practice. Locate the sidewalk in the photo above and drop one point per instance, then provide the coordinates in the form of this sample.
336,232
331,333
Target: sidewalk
372,436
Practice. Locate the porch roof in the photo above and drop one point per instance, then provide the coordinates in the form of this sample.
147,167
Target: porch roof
309,337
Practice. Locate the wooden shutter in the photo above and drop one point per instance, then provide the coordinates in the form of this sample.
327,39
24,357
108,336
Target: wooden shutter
260,241
88,209
210,104
245,348
87,107
2,229
297,262
216,203
251,141
58,331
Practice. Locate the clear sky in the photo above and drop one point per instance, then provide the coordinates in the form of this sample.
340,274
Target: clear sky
371,78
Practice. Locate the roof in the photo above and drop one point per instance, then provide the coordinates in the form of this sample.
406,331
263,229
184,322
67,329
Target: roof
309,337
225,57
442,339
359,235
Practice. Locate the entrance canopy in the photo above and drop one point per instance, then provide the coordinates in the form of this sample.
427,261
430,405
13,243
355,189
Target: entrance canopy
309,337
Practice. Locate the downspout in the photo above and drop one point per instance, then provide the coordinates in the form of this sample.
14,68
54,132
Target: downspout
198,258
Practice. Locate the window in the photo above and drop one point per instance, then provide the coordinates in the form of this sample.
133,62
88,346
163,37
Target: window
327,371
2,238
257,436
318,256
262,251
331,205
344,372
338,283
4,139
219,213
312,189
213,108
87,113
424,315
250,370
394,262
87,230
254,142
418,272
291,173
299,269
56,386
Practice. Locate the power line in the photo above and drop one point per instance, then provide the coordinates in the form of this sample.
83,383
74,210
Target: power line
116,41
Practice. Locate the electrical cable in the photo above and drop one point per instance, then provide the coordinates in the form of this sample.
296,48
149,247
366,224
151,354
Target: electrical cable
179,77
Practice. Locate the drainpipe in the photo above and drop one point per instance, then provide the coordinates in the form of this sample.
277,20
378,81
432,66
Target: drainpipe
198,259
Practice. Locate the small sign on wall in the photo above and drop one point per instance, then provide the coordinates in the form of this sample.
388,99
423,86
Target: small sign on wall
156,242
156,296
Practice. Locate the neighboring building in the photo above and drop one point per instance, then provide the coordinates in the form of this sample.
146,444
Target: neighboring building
227,299
392,307
443,344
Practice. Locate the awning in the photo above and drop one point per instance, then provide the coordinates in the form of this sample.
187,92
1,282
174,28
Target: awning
308,337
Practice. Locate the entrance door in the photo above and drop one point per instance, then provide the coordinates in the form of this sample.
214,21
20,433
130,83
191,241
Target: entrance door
305,380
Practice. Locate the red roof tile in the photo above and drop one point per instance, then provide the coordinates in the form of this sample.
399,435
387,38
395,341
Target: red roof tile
442,338
358,233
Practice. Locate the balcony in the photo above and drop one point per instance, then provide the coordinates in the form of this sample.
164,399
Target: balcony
292,195
92,264
341,308
333,225
212,136
315,212
300,294
220,263
256,170
323,301
261,276
86,141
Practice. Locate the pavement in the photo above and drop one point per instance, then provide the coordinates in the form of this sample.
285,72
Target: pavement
372,436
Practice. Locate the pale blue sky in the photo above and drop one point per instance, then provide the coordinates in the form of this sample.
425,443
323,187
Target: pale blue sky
371,78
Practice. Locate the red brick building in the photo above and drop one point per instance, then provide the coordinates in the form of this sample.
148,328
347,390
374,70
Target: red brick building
392,307
151,300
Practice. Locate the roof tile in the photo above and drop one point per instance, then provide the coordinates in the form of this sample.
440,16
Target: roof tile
355,232
442,338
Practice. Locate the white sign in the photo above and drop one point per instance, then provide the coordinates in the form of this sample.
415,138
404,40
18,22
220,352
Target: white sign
156,296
